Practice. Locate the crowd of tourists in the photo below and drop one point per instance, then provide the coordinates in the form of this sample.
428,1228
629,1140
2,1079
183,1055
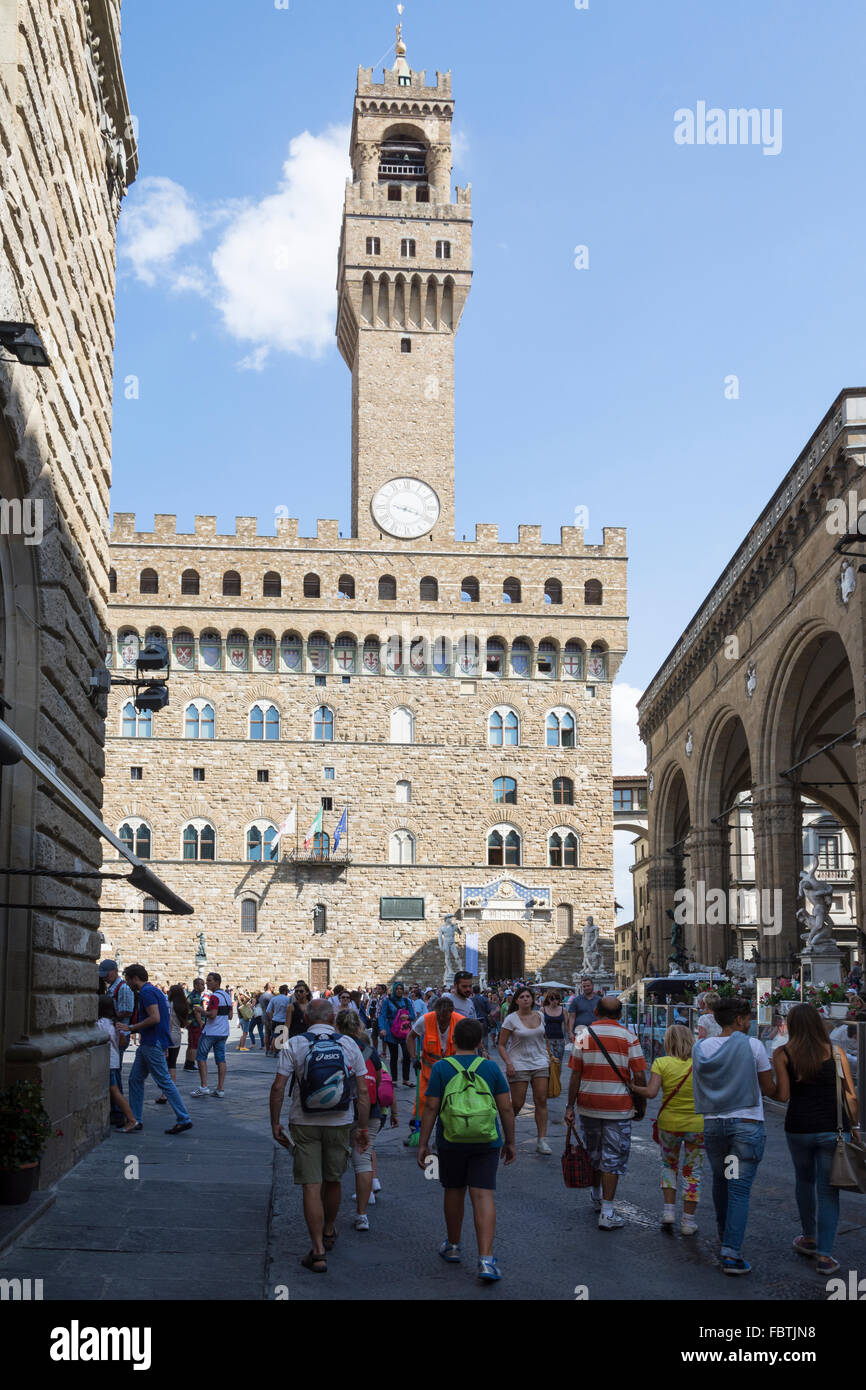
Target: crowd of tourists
469,1057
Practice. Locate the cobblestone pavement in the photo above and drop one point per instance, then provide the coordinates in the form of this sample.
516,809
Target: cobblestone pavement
151,1238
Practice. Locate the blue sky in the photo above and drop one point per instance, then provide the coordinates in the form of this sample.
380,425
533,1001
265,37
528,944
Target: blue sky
608,383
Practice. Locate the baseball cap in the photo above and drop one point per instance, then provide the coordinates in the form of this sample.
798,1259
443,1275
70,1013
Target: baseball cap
106,966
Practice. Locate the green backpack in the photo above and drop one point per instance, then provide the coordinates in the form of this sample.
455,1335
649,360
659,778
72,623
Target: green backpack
468,1110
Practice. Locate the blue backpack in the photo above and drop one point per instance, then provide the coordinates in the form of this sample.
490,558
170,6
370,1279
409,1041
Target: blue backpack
324,1082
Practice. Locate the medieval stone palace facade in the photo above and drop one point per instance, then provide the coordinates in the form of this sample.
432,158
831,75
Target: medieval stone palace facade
369,735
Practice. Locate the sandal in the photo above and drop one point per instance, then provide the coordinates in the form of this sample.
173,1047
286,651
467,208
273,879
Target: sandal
329,1240
805,1245
825,1264
317,1263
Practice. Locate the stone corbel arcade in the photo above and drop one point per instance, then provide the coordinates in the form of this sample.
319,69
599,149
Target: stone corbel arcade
760,706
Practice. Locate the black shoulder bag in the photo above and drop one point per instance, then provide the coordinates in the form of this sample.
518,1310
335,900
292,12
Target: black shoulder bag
639,1102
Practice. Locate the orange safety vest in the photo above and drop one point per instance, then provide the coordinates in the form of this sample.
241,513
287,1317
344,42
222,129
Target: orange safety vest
432,1053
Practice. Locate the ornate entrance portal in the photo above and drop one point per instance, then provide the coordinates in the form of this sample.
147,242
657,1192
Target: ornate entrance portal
506,957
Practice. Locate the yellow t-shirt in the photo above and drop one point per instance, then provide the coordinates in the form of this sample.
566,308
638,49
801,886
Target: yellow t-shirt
679,1113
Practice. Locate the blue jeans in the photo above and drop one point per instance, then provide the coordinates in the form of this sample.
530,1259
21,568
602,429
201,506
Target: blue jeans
734,1149
813,1155
151,1061
254,1024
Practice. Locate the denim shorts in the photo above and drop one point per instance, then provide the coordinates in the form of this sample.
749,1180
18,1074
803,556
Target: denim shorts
208,1041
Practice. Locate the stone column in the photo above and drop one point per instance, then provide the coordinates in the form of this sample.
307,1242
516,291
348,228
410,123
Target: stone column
707,871
777,822
439,173
368,168
661,885
859,851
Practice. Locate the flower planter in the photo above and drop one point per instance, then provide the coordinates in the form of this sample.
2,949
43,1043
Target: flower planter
837,1010
16,1184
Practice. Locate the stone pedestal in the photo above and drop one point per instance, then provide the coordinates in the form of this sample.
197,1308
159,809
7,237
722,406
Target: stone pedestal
823,966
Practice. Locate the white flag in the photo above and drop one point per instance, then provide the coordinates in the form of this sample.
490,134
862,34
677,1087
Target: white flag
287,827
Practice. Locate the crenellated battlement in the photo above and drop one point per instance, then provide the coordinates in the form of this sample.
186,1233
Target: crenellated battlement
391,84
327,536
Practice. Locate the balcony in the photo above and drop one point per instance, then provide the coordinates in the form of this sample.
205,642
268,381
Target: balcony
405,170
317,858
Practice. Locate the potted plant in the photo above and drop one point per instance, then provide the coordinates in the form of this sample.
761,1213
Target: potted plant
830,999
24,1131
785,996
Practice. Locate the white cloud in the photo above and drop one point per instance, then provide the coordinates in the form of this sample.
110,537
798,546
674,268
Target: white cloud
157,223
459,147
270,267
275,265
629,753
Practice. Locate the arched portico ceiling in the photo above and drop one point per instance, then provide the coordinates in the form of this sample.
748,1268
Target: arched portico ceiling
673,818
726,766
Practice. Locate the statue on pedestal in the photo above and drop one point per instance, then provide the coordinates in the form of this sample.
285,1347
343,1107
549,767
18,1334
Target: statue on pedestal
201,948
447,943
592,961
818,897
677,956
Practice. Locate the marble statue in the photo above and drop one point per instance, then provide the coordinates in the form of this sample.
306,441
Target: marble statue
447,943
741,969
592,961
815,914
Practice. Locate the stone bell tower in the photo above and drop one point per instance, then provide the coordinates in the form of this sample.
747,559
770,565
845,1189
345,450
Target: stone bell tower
403,277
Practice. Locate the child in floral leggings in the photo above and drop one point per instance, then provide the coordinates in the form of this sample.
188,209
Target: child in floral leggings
680,1129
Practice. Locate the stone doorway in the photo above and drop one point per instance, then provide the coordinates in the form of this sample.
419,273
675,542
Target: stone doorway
506,957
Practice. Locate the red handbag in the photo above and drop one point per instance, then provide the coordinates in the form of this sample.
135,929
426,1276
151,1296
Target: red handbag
576,1164
656,1139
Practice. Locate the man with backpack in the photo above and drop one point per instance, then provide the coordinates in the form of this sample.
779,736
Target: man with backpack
321,1064
466,1095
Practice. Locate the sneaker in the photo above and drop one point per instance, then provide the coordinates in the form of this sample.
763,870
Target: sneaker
200,1091
361,1223
542,1147
488,1269
732,1266
688,1226
220,1095
669,1216
189,1066
610,1223
450,1253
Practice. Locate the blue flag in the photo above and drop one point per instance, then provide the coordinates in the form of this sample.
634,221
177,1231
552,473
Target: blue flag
342,826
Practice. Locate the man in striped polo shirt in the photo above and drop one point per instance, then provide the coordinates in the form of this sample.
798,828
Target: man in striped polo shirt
604,1101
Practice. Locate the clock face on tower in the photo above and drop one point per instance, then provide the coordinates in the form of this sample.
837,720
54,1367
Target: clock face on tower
405,507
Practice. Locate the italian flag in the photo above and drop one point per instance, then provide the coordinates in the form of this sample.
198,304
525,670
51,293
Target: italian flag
315,829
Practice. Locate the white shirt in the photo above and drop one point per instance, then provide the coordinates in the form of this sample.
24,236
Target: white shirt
290,1062
106,1026
710,1046
218,1027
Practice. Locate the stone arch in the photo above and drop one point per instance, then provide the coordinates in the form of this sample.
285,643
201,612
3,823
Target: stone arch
725,765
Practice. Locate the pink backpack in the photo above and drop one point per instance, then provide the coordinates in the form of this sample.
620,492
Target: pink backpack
401,1026
379,1083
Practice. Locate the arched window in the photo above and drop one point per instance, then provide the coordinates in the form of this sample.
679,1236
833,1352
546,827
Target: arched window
346,653
190,582
387,587
562,849
564,919
503,846
210,651
402,726
552,591
323,725
572,661
183,645
272,585
403,791
231,584
199,840
238,651
312,587
505,791
148,582
401,847
265,651
467,656
495,657
372,656
249,916
291,649
596,669
135,835
521,657
428,589
592,591
503,728
112,581
560,729
321,845
345,586
128,647
394,655
150,915
136,723
511,592
264,723
319,652
199,720
469,590
563,791
546,664
262,843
